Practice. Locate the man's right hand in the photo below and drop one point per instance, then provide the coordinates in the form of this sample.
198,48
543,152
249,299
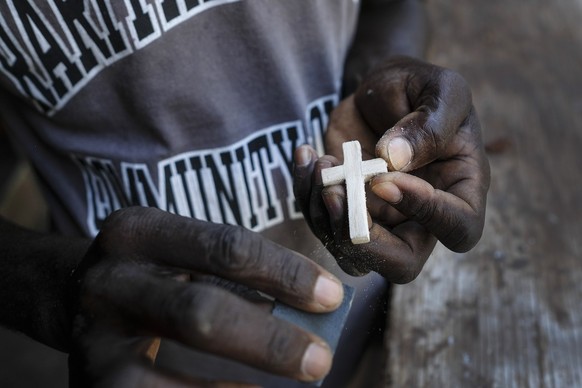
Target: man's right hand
146,276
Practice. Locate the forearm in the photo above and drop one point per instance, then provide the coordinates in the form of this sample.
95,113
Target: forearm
385,28
36,268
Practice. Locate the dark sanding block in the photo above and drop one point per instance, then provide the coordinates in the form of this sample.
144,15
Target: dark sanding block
328,326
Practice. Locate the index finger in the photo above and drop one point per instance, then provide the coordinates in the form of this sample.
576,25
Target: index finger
227,251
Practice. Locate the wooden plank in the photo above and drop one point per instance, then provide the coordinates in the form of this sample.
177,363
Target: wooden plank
507,314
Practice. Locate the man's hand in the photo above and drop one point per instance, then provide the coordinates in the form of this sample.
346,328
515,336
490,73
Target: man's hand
420,119
146,276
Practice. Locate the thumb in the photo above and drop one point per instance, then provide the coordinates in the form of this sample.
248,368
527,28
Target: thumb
411,143
423,135
417,140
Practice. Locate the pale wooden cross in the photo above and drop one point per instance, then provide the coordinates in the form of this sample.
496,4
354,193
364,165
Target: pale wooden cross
355,173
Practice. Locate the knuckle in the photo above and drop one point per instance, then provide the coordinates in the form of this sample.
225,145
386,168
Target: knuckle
121,219
193,313
289,275
406,273
280,346
234,249
457,88
202,322
353,262
464,235
423,212
120,228
100,290
454,78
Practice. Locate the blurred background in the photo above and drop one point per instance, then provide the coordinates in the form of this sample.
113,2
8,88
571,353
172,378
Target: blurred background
508,313
23,362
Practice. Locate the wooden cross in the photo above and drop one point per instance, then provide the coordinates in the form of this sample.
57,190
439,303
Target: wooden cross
355,173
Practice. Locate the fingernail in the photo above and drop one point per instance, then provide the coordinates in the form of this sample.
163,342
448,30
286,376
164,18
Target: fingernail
328,292
388,191
316,361
400,153
302,157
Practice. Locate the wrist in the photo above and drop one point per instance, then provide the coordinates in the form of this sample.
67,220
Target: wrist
35,293
385,29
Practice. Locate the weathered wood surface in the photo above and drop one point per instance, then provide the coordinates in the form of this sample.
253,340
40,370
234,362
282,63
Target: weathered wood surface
508,313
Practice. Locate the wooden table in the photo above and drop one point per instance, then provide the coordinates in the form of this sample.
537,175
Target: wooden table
508,313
